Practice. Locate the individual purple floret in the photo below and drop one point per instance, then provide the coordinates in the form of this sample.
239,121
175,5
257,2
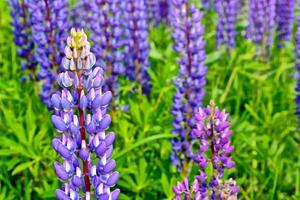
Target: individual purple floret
189,44
284,17
261,19
212,132
107,30
136,51
23,36
48,25
227,15
80,116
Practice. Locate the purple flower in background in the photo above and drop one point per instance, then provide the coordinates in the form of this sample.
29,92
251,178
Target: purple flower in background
136,51
284,18
49,23
189,44
261,19
213,134
157,11
81,14
227,15
80,115
22,32
297,46
106,32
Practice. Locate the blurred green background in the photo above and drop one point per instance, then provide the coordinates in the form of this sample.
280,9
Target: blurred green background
258,95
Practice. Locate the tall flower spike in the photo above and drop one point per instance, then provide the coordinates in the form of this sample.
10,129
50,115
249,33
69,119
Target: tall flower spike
261,19
157,11
213,134
284,17
107,30
136,51
48,33
23,36
227,15
297,50
80,115
189,44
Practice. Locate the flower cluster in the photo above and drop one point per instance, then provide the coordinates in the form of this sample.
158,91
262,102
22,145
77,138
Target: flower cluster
157,11
261,19
189,44
213,134
297,46
80,115
106,34
49,30
227,15
22,33
136,39
284,18
81,14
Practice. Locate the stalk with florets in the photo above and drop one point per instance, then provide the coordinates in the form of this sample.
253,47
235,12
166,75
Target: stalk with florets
49,22
227,15
189,44
213,134
137,49
80,115
23,35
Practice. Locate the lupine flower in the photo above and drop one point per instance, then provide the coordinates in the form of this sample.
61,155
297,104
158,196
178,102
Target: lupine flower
81,14
227,15
80,116
208,4
107,30
189,44
49,24
284,18
22,32
137,48
212,131
157,11
297,46
261,19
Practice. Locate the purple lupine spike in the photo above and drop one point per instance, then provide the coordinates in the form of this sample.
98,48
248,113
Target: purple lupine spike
136,51
189,43
297,46
213,134
261,19
48,33
81,14
107,30
284,18
227,15
22,33
157,11
79,114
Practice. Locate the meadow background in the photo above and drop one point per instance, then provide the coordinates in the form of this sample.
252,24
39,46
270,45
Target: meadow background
259,95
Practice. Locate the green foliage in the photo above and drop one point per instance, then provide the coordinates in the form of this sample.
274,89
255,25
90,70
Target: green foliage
258,95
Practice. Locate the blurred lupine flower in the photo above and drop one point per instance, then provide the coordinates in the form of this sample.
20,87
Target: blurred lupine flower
297,46
106,34
189,43
80,115
157,11
284,18
227,15
136,51
22,32
48,25
212,131
208,4
261,19
81,14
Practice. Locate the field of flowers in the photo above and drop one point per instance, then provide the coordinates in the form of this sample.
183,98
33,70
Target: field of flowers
124,99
